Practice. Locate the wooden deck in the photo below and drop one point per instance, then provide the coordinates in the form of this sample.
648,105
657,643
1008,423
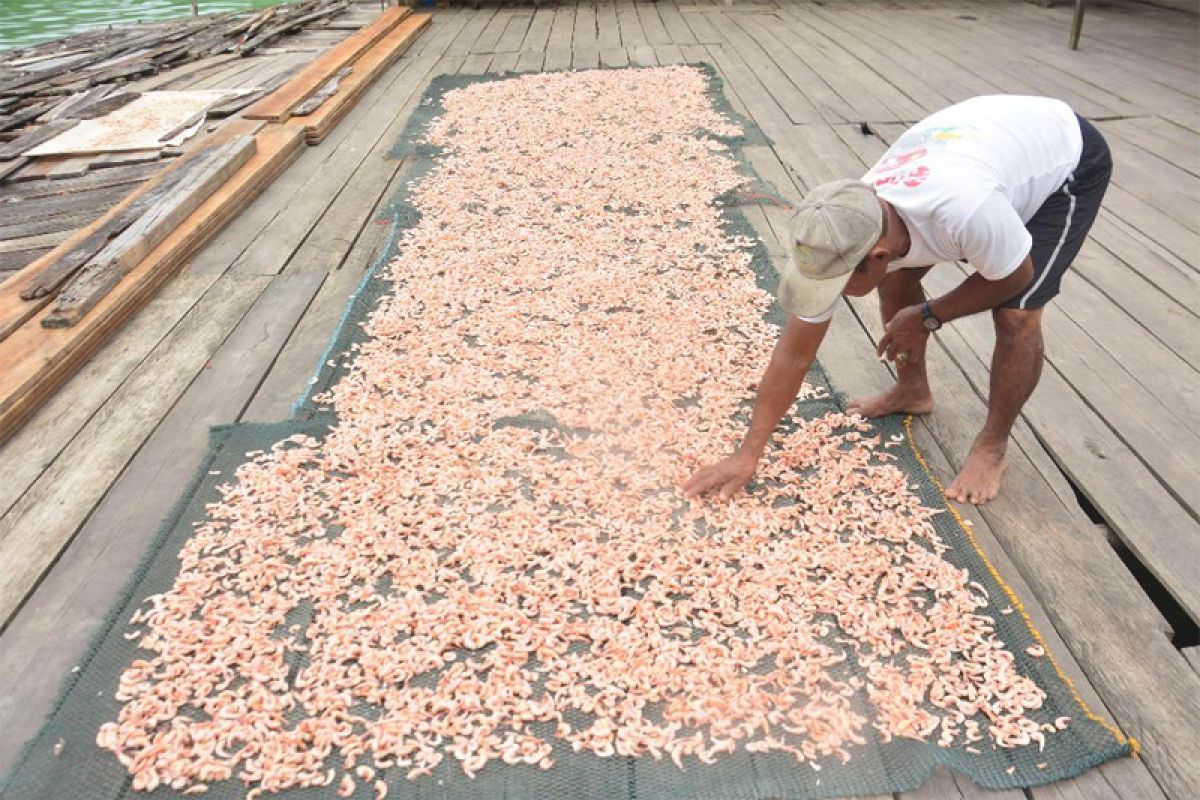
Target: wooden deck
1115,421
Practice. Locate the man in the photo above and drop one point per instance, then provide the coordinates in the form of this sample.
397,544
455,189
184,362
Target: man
1008,184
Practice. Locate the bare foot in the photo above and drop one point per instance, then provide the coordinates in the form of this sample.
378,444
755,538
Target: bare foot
979,479
896,400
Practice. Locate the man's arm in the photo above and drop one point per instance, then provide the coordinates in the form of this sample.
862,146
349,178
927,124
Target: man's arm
905,331
793,355
977,293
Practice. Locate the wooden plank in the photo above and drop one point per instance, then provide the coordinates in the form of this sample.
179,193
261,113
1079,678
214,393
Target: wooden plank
562,30
47,516
1173,143
503,63
799,91
290,207
33,242
490,35
890,69
608,27
368,67
475,64
514,33
1165,317
1172,191
116,533
27,141
168,205
298,360
614,57
1159,531
462,44
669,54
539,30
134,173
946,785
1156,264
642,55
632,34
327,90
1192,654
675,25
531,61
585,58
557,59
34,448
652,25
702,28
584,35
869,97
10,263
34,360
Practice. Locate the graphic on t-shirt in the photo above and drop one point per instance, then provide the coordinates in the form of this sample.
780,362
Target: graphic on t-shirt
898,166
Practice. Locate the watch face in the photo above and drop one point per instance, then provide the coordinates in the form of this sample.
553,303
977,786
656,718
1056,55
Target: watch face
931,323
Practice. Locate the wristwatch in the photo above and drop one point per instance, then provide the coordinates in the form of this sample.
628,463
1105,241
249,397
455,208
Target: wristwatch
928,318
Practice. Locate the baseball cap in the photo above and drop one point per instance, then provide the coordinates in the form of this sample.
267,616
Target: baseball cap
832,230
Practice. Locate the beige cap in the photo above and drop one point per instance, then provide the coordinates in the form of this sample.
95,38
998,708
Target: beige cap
831,232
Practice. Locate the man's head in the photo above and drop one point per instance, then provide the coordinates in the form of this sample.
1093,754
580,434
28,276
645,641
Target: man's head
842,242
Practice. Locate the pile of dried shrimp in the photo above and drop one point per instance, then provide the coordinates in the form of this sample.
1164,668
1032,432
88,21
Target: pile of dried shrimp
489,558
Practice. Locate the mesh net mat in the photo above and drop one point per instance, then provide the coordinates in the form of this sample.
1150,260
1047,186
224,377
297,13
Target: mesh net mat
64,762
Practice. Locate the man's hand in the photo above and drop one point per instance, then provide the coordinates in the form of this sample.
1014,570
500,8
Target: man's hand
727,476
906,333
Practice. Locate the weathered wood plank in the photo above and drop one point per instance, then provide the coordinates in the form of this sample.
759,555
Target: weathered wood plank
367,68
538,32
43,521
290,207
117,531
608,26
490,35
167,206
945,785
33,138
34,360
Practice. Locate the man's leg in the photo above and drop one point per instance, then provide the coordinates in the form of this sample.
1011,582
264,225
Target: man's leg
910,394
1016,367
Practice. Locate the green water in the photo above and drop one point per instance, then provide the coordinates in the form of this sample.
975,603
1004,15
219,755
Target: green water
25,22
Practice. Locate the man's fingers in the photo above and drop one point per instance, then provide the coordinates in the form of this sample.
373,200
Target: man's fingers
700,483
730,489
885,342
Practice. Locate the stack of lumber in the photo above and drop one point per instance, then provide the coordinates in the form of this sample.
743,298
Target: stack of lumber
109,269
47,89
34,80
320,95
58,309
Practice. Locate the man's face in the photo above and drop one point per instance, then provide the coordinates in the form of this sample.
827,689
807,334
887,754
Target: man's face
867,277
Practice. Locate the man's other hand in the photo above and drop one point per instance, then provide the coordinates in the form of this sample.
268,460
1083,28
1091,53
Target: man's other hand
727,476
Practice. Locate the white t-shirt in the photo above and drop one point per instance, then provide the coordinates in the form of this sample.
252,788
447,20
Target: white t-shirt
966,180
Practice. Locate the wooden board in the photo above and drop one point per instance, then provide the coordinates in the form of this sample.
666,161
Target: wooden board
190,185
318,124
31,288
34,360
277,106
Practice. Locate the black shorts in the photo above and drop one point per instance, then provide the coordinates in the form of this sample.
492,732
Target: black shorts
1063,221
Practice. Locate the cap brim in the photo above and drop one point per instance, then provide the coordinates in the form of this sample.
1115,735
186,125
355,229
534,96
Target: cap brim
809,297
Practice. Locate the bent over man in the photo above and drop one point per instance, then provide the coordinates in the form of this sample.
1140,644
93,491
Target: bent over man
1008,184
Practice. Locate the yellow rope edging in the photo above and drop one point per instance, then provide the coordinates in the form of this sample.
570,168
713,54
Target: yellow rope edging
1135,747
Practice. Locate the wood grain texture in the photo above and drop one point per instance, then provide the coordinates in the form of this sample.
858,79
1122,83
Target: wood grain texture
382,55
166,207
277,106
35,360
